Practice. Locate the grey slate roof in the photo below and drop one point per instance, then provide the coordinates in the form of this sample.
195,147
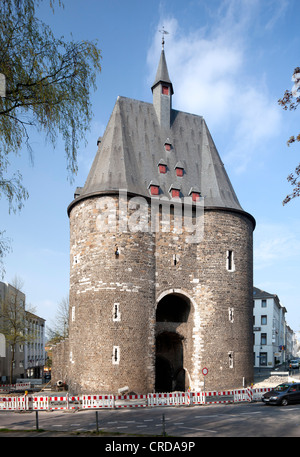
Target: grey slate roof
262,294
133,146
259,293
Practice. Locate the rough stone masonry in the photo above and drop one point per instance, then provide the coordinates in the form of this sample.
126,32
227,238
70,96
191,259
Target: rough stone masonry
151,306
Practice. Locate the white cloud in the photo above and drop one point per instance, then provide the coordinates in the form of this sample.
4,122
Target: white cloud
274,244
208,72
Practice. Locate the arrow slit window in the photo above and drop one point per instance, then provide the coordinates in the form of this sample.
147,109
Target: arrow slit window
230,359
116,312
116,355
230,261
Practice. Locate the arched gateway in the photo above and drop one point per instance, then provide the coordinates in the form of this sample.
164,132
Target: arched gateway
172,315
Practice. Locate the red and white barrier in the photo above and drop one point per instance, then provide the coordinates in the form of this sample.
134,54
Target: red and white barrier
8,403
97,401
56,403
197,398
46,403
219,397
169,399
40,403
25,403
12,387
74,402
241,395
131,401
258,393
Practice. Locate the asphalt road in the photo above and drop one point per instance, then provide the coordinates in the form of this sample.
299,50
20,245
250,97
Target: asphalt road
220,420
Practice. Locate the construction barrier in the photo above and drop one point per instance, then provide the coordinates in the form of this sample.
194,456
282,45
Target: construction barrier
169,399
258,393
40,403
197,398
218,397
67,402
58,403
13,387
25,403
131,401
8,403
241,395
74,402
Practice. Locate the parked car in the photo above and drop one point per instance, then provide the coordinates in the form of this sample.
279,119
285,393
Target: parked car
294,364
283,394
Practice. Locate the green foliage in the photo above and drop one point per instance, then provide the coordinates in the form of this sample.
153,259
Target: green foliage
15,319
48,82
291,101
48,85
4,249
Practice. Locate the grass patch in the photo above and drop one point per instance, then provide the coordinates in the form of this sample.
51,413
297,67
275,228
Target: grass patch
9,430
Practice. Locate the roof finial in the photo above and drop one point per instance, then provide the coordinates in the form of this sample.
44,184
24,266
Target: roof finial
163,32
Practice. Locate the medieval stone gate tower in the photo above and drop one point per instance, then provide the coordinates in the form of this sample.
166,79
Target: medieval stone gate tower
150,308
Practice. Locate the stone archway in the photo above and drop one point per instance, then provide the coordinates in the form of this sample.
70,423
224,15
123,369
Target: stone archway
172,314
173,308
169,361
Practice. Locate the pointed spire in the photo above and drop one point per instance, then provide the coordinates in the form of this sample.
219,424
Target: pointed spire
162,74
162,91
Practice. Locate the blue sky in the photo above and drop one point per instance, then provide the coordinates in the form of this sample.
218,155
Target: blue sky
229,61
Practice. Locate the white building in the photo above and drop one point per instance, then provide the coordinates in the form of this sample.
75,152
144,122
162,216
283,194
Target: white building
35,347
269,330
292,344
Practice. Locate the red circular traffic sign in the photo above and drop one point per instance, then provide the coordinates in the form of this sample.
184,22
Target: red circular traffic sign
205,371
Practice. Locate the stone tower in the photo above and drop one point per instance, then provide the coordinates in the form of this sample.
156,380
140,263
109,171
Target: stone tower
150,304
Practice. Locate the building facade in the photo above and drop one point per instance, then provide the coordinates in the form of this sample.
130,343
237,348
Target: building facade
270,332
13,358
22,355
160,259
34,360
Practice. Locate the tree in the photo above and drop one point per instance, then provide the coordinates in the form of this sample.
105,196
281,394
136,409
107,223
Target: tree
13,320
48,82
291,100
4,249
60,325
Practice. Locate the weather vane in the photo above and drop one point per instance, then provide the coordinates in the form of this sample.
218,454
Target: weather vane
163,32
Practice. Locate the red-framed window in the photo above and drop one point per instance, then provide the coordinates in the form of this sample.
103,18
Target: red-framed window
154,190
179,171
162,168
168,146
175,193
195,196
165,90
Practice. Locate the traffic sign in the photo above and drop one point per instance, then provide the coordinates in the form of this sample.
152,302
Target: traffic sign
205,371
